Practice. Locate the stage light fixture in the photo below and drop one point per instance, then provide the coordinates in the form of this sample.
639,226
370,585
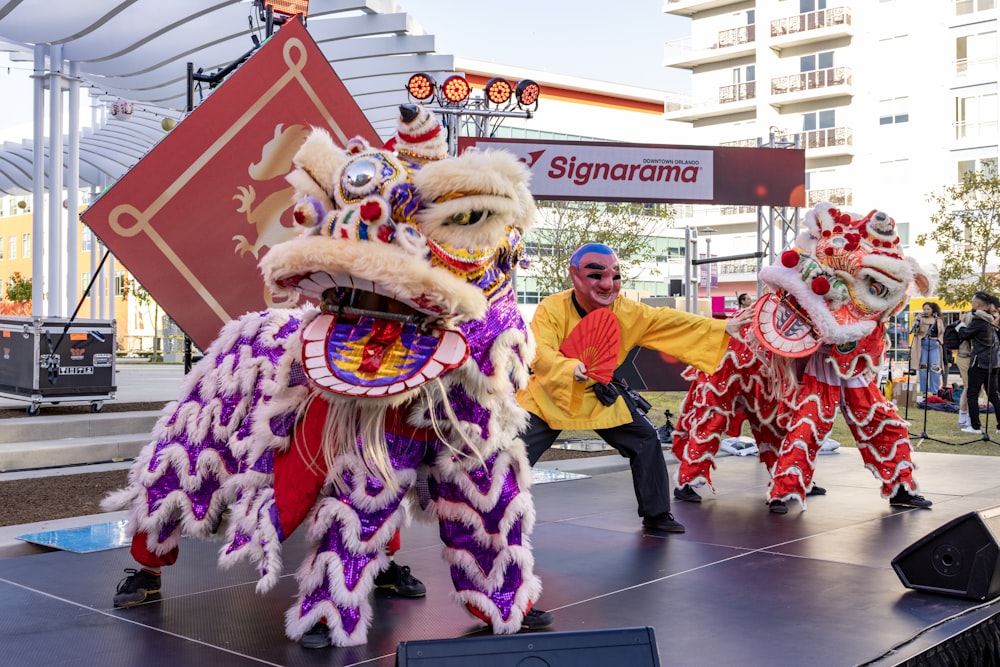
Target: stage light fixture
288,7
498,91
455,89
527,93
421,87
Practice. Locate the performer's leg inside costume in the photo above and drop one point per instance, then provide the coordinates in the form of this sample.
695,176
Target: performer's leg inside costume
485,516
882,437
810,411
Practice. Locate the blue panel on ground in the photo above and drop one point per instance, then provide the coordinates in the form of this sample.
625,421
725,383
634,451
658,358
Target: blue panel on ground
83,539
542,476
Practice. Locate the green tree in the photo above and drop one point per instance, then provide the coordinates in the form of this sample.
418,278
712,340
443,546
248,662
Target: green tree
18,288
565,226
966,235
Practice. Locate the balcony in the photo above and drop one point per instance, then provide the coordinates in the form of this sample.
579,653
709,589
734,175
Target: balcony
815,85
727,45
825,142
979,70
810,27
691,7
836,196
735,98
967,132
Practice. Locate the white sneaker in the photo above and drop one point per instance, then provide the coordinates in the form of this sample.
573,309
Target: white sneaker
969,429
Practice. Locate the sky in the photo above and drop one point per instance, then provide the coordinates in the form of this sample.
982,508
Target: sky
620,42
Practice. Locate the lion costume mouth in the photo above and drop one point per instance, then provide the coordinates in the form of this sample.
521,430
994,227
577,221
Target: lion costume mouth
369,341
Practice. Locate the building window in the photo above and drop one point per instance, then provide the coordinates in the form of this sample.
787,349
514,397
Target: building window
988,166
26,245
893,111
86,240
816,61
976,116
119,283
976,54
963,7
13,247
819,120
806,6
85,279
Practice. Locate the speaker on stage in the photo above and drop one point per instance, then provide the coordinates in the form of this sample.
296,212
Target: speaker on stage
635,647
961,558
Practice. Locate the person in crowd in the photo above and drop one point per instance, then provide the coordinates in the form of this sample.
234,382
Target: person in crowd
560,395
926,349
981,332
744,300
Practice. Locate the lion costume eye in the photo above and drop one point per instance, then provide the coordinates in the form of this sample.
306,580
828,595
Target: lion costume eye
358,175
875,288
468,218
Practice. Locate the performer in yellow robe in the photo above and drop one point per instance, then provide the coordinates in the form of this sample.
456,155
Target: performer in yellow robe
560,395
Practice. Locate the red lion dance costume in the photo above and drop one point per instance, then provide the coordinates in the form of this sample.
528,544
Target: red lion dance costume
815,343
402,378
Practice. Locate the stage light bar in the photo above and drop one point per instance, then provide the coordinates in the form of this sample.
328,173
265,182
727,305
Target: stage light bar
527,93
421,87
455,89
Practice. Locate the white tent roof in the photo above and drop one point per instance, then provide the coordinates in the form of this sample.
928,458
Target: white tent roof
138,50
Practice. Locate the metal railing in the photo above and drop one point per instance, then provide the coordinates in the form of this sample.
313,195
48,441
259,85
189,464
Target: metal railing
811,21
823,138
738,92
836,196
815,79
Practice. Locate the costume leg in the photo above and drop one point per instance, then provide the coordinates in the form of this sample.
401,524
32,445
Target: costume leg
537,437
639,443
811,411
348,534
881,435
486,515
142,555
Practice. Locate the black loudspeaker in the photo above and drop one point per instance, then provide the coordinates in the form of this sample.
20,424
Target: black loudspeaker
634,647
961,558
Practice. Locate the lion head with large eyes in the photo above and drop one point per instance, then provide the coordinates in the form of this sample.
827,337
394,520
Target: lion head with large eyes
845,275
401,249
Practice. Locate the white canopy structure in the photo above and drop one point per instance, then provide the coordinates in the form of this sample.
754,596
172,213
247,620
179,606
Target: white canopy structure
137,52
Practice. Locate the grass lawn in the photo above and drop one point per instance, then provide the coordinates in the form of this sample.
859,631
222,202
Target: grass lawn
941,426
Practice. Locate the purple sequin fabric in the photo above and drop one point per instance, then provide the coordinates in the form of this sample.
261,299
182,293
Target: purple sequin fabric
190,468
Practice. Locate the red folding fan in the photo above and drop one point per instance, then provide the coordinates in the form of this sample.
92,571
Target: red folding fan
595,341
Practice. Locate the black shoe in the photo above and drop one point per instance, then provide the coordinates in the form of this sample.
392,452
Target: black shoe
817,490
777,507
687,494
536,619
318,636
904,498
397,578
136,587
663,523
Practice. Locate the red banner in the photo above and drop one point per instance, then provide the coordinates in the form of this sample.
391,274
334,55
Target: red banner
607,171
191,219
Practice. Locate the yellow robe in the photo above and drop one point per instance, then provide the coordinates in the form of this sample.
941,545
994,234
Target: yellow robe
563,403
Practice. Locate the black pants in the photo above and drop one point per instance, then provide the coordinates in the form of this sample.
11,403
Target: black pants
978,378
637,442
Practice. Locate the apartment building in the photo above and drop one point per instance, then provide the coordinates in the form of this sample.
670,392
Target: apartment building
891,100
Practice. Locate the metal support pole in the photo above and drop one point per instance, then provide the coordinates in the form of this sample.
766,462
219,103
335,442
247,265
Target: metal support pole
73,189
38,305
56,239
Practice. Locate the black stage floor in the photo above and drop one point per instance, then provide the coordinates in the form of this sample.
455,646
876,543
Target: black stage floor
741,587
